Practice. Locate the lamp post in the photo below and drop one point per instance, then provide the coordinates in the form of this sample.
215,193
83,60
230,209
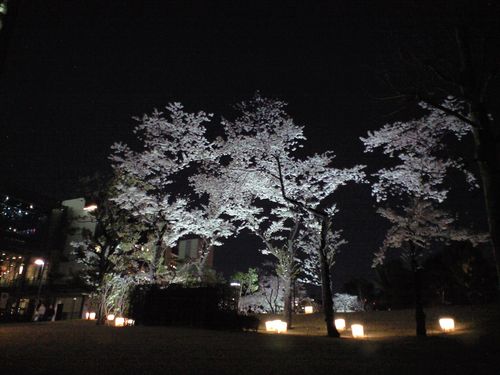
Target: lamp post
40,262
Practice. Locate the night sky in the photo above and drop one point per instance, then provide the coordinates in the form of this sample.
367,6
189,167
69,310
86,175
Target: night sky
73,73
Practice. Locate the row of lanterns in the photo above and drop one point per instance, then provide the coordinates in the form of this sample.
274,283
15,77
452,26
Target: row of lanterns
357,330
119,321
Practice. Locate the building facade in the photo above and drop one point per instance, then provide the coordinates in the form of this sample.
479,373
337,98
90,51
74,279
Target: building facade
36,261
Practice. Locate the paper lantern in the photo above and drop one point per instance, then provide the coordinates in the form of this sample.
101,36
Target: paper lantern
87,315
340,324
111,317
92,316
357,331
447,324
277,326
119,321
308,309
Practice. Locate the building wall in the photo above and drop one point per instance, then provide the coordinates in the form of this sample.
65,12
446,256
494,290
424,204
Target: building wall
191,249
80,222
28,233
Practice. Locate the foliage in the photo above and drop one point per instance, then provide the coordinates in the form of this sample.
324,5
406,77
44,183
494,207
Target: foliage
418,179
172,144
417,145
460,274
344,302
421,223
267,184
106,255
269,298
249,281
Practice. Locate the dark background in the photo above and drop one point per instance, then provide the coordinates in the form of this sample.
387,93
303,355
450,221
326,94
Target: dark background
73,73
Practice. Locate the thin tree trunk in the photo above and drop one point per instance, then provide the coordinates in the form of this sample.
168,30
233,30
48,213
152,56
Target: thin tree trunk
157,254
101,308
326,289
287,308
421,331
487,152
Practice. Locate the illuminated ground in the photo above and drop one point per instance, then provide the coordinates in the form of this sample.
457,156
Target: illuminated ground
79,347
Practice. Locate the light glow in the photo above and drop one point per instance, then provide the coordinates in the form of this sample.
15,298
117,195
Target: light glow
90,208
357,331
39,262
130,322
92,315
277,326
340,324
111,317
119,321
308,309
447,324
87,315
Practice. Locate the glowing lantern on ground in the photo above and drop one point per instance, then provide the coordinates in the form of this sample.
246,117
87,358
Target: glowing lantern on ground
130,322
340,324
111,317
277,326
447,324
87,315
119,322
357,331
92,316
308,309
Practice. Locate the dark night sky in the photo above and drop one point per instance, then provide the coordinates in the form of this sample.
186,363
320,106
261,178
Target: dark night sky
76,71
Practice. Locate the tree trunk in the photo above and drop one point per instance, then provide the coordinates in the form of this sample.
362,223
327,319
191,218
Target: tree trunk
486,137
287,308
487,151
158,253
419,306
101,314
417,285
326,289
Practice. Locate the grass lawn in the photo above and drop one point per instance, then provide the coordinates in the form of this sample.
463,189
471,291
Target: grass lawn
81,347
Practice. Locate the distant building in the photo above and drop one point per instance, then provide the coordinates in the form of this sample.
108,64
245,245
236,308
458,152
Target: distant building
36,261
77,220
190,249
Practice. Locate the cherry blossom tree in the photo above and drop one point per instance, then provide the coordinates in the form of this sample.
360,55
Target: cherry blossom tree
172,146
272,191
418,181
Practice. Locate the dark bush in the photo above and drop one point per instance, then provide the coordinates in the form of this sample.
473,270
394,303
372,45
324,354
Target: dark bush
176,305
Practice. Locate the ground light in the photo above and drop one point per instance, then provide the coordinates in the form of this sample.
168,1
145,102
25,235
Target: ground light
111,317
357,331
340,324
277,326
447,324
119,321
308,309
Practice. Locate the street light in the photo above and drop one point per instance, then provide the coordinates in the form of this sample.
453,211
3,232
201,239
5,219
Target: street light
40,262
